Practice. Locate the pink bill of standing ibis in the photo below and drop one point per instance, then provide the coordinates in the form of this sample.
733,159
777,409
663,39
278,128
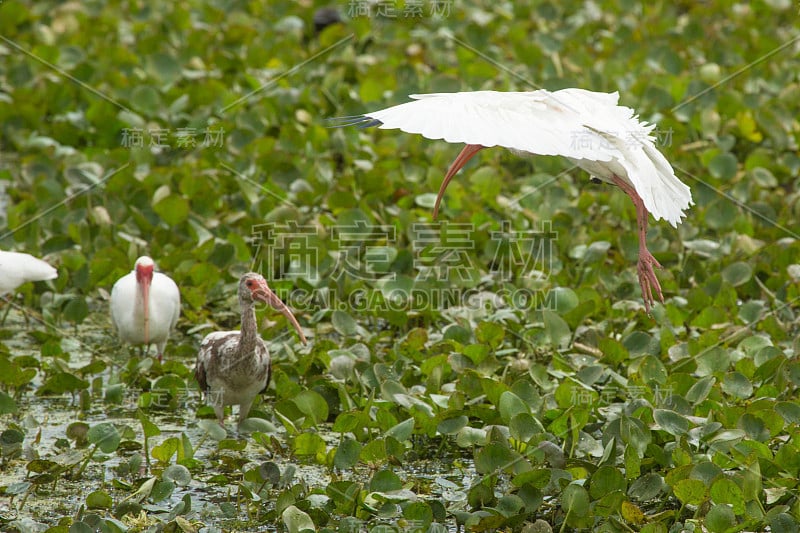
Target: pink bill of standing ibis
233,367
17,268
145,306
603,138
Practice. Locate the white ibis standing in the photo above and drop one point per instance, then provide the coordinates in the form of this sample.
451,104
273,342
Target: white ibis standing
233,367
18,268
145,306
605,139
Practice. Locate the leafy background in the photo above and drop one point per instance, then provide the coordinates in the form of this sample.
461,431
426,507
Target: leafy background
578,412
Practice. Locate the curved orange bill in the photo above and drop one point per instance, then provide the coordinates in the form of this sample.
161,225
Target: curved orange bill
465,155
272,299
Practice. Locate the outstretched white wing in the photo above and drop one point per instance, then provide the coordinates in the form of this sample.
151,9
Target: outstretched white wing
587,127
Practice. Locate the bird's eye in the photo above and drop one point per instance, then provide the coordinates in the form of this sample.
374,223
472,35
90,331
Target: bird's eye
249,283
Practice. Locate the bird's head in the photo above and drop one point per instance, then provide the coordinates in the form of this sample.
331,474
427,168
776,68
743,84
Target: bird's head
144,268
253,288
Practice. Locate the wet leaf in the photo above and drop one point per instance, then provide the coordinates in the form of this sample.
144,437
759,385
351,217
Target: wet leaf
178,474
7,404
98,500
313,405
164,451
720,518
690,491
296,521
556,328
61,383
575,501
347,454
671,422
343,323
105,436
726,491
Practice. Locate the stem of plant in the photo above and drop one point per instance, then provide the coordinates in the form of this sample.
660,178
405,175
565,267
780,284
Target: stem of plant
564,524
202,440
147,451
86,461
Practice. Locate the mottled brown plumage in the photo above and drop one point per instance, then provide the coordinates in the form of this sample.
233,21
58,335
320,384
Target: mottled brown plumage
233,367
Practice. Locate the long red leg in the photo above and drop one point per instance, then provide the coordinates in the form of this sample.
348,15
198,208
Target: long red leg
647,276
465,155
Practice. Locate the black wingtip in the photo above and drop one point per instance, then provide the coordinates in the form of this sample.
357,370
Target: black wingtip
360,121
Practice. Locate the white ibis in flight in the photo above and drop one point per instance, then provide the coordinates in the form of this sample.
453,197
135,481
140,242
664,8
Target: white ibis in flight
605,139
145,306
233,367
18,268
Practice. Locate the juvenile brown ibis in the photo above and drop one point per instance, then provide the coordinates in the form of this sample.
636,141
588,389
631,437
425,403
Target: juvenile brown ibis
589,128
233,367
145,306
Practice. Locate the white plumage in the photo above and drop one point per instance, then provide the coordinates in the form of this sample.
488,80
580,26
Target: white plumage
589,128
18,268
145,306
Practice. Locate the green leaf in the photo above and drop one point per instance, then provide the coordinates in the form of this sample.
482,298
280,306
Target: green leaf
99,500
556,329
313,405
213,429
700,390
402,431
495,457
737,384
646,487
605,480
61,383
309,444
385,481
653,371
146,99
165,67
76,310
490,333
511,405
105,436
725,490
164,451
575,500
451,426
524,427
162,490
671,422
178,474
343,323
720,518
562,300
7,404
470,436
148,427
737,273
173,209
690,491
347,454
723,166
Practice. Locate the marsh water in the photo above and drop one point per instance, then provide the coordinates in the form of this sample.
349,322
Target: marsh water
219,463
